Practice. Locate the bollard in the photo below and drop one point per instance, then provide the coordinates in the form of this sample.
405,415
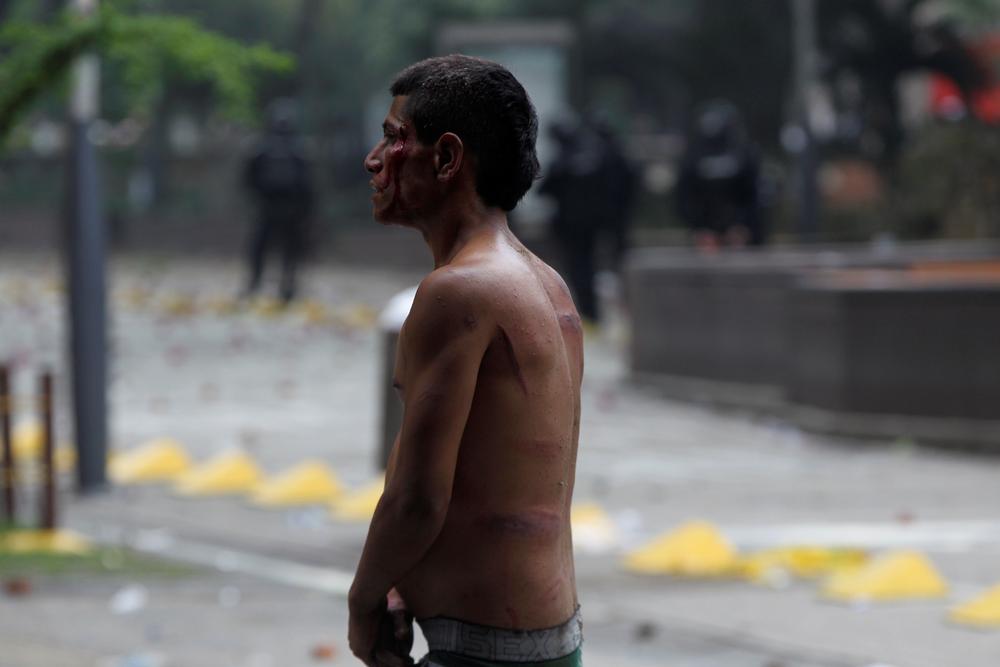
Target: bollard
390,322
48,497
7,469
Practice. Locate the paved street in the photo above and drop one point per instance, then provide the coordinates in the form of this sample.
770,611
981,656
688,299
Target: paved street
294,385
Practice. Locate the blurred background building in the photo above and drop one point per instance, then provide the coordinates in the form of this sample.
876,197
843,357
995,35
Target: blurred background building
902,99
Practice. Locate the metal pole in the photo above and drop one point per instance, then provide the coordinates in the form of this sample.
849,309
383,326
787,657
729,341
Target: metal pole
48,508
804,40
7,478
85,240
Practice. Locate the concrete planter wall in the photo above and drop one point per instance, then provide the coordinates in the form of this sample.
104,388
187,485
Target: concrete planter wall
810,336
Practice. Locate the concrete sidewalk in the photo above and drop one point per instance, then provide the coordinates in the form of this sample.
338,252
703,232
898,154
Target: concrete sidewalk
286,389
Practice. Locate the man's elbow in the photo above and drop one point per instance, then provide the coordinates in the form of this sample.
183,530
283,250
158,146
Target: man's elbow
417,507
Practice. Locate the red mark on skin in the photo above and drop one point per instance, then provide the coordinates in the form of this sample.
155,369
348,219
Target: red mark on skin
571,322
554,589
398,154
535,524
514,365
470,321
514,620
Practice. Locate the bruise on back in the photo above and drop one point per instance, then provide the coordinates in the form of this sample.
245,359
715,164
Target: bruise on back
529,524
571,322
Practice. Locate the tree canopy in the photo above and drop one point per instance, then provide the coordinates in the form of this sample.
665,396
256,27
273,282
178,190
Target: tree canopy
144,51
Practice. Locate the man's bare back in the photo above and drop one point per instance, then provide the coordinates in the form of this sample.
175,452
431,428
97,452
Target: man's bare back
504,555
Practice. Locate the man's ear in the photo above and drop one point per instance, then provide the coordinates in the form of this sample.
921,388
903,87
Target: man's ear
449,154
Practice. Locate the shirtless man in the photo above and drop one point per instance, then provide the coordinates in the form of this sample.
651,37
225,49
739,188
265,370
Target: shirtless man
472,533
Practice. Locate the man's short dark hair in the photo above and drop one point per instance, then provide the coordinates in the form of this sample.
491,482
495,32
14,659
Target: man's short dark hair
482,103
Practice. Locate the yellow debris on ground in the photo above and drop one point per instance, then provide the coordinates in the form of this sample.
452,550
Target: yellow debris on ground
898,575
309,483
314,312
26,441
27,444
179,305
64,458
359,505
980,612
593,528
358,316
158,460
230,472
44,541
267,307
800,561
135,297
221,305
695,549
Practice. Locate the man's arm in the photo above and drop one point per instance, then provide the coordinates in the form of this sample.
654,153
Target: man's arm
442,346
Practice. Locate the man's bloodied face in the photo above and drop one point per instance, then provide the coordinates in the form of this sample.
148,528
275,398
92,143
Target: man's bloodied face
402,170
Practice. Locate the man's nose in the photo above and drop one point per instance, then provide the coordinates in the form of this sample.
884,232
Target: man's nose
372,164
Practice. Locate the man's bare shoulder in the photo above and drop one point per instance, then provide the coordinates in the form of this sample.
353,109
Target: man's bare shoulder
452,300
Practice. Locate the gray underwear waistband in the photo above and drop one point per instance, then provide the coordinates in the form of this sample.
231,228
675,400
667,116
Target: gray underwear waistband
500,644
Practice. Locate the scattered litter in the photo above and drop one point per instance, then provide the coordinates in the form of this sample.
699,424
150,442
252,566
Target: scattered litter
311,482
897,575
323,652
359,505
156,460
772,566
696,549
45,541
17,587
233,471
27,441
128,600
981,612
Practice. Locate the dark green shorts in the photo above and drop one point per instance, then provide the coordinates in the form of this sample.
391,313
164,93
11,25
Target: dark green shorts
445,659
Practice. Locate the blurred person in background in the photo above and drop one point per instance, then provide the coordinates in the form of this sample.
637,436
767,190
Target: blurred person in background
278,177
718,194
593,187
472,533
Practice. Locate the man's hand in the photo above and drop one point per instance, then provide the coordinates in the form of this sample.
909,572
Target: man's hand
363,628
395,637
381,635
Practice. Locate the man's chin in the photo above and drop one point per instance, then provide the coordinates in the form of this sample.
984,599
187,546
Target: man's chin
387,219
382,218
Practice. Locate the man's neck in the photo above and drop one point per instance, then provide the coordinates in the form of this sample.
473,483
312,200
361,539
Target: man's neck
451,231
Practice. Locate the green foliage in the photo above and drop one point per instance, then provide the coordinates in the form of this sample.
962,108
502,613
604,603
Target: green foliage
948,182
148,51
38,57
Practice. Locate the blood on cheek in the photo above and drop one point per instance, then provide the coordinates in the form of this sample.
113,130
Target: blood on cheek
397,155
